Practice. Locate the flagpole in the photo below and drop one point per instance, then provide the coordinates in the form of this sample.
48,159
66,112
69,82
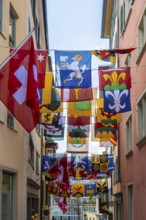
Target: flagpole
15,50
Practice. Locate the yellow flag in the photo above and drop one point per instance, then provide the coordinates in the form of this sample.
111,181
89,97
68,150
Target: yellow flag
84,108
78,189
50,97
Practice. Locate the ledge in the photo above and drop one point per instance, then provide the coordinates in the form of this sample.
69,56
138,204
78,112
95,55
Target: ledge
129,154
141,142
32,183
141,54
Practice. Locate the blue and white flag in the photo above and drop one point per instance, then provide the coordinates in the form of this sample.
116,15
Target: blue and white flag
73,69
117,101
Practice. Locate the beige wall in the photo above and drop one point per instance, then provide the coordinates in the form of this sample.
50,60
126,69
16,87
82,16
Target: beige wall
14,144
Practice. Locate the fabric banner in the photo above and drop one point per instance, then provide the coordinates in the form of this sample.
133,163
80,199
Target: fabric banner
112,142
73,69
109,55
50,97
52,188
78,120
90,190
106,117
74,140
19,85
76,95
117,101
78,131
45,93
41,57
99,163
102,163
104,133
84,108
62,203
48,161
78,189
114,79
59,170
54,132
64,190
54,119
102,187
77,148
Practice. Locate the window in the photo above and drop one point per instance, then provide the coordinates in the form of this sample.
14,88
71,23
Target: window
1,113
10,120
117,170
37,163
32,206
12,43
125,12
9,196
128,10
130,202
141,33
118,206
37,33
128,60
31,151
33,7
29,25
141,120
1,14
12,27
122,18
129,134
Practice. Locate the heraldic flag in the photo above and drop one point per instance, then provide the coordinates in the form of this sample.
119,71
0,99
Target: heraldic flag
19,86
73,69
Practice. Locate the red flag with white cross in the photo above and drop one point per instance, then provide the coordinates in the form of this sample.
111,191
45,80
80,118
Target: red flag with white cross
19,85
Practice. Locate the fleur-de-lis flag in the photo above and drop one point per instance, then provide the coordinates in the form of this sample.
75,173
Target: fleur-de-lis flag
117,101
114,79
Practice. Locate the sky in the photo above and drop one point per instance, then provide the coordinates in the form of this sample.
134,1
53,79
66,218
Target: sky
76,25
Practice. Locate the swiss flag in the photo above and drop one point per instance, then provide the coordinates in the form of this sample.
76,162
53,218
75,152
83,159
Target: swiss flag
19,86
61,202
59,170
41,57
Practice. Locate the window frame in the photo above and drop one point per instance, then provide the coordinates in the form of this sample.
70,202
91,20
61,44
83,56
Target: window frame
10,120
141,120
31,152
141,36
37,163
128,139
130,200
14,174
33,8
12,27
122,18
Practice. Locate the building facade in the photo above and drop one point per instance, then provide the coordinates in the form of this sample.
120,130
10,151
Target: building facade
128,27
20,157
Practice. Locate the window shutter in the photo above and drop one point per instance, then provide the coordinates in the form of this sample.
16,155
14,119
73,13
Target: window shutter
122,17
132,1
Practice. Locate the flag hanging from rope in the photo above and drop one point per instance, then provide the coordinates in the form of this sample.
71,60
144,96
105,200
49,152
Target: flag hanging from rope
41,57
73,69
114,79
76,95
110,54
117,101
